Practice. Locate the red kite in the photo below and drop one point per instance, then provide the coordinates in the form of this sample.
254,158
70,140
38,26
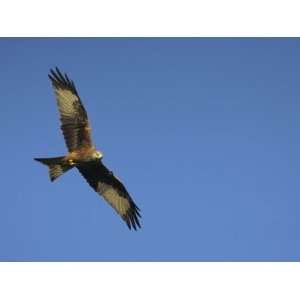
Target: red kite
83,154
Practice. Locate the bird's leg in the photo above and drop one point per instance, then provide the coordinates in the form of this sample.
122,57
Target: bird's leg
71,162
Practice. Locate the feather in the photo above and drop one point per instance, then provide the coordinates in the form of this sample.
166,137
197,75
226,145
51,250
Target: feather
73,116
112,190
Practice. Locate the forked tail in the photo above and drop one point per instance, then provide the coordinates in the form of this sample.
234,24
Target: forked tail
57,166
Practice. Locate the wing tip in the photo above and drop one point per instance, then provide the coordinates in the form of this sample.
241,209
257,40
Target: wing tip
59,80
132,217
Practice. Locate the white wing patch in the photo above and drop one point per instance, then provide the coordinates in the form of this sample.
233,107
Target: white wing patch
66,101
119,203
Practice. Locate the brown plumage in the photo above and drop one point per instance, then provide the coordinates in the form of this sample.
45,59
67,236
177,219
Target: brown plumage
73,116
83,154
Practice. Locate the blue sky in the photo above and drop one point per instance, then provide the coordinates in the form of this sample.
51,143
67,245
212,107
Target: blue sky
204,133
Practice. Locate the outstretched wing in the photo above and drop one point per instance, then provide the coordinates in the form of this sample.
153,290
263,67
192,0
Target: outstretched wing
113,191
73,116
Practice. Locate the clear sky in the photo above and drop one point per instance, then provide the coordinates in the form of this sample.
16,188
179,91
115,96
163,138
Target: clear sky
204,133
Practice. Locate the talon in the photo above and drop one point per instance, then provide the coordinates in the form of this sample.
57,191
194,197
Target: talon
71,162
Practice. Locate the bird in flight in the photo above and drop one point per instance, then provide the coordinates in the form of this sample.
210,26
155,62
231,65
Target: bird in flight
83,154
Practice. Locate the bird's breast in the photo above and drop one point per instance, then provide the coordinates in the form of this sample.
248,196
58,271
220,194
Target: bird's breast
80,156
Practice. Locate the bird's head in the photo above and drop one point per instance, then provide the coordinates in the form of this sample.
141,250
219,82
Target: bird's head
98,155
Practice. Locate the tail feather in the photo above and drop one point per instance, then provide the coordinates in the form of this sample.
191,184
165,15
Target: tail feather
56,166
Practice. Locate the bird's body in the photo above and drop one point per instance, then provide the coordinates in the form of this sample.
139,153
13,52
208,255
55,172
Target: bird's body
83,154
